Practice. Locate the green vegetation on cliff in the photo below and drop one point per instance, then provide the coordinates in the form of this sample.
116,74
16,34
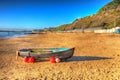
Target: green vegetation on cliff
112,5
107,17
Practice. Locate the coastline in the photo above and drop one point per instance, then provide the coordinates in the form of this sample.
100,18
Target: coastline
96,57
5,35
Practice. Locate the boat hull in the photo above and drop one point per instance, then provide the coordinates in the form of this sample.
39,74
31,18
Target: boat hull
63,55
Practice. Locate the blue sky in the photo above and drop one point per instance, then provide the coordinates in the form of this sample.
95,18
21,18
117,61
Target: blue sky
39,14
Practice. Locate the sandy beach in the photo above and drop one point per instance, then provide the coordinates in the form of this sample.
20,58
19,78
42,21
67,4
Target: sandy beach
96,57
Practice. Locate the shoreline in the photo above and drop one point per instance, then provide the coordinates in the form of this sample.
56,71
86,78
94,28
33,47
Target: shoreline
13,36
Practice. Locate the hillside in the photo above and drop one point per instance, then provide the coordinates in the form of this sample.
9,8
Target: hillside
106,17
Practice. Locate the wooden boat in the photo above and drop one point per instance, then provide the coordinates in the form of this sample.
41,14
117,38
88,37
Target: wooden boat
61,53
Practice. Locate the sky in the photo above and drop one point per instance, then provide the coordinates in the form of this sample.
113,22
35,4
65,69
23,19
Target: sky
39,14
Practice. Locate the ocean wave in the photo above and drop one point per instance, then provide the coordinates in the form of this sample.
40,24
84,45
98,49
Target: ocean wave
11,34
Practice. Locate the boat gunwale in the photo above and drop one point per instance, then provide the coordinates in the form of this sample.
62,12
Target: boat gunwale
45,48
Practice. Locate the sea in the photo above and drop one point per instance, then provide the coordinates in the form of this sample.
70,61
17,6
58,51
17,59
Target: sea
11,34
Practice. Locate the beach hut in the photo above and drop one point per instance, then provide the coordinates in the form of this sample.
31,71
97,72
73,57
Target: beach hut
117,31
113,30
117,27
83,30
92,30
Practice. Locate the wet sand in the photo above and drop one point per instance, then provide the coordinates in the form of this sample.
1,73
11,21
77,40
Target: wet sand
96,57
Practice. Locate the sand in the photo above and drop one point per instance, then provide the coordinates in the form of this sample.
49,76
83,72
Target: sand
96,57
